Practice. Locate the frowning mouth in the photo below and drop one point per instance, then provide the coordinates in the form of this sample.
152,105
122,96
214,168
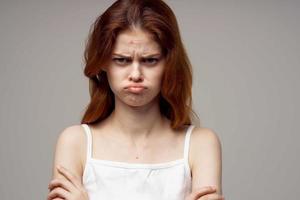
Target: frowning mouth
135,89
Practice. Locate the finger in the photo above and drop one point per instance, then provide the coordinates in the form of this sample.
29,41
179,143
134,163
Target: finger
71,177
202,191
58,193
212,197
67,185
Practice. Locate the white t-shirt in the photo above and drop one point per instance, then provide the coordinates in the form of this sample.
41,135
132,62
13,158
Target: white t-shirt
113,180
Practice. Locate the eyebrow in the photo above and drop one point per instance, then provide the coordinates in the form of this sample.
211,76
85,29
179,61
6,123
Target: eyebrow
147,56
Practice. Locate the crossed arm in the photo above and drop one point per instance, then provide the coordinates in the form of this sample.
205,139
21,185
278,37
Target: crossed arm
66,183
206,163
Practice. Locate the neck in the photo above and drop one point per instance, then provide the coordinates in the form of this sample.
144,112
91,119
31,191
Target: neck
137,123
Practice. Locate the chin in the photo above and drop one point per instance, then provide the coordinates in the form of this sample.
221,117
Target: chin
136,102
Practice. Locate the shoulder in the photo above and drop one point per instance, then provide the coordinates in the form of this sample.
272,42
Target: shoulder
71,138
72,135
206,158
69,141
205,137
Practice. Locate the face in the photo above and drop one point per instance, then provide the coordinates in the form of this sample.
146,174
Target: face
136,68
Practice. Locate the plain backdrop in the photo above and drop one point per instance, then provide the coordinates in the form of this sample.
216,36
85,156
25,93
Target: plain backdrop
245,57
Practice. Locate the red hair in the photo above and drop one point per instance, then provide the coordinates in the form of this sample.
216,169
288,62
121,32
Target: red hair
155,17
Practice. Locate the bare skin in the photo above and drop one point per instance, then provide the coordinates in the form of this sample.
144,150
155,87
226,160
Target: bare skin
136,61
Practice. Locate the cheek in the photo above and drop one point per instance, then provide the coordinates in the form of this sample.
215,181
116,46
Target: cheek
156,76
113,79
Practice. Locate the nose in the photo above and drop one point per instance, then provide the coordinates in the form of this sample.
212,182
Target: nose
136,73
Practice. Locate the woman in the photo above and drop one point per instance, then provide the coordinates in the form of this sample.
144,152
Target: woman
136,140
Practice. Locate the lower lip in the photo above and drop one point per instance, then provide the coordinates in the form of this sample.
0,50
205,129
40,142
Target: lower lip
136,89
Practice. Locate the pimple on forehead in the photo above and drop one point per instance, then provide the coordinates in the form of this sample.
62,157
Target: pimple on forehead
140,45
135,42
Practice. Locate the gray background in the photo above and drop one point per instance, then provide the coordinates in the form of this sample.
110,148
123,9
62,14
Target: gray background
245,57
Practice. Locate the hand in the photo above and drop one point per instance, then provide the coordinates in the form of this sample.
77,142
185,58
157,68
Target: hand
204,193
69,188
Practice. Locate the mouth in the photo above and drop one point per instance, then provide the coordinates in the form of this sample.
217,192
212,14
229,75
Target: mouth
135,89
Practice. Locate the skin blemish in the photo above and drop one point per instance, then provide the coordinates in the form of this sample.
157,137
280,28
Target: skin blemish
134,42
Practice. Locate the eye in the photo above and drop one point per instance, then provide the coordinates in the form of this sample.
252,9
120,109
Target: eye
150,61
121,61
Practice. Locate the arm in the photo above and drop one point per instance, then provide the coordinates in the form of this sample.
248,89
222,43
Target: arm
206,159
68,151
67,180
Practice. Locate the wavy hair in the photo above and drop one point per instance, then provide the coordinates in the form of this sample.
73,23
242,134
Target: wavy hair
155,17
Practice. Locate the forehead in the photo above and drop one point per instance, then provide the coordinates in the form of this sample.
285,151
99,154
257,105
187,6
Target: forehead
136,41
